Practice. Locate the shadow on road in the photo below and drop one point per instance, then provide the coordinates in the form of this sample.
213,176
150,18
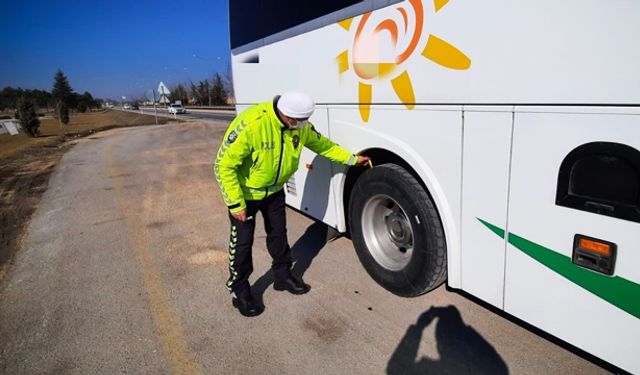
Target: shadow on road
303,252
461,349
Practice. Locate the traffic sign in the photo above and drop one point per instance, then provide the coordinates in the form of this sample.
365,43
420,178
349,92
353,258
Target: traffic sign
162,89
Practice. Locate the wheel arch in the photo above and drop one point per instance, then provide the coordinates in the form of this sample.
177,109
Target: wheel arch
379,156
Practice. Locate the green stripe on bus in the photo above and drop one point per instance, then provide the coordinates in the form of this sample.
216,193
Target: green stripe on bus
616,290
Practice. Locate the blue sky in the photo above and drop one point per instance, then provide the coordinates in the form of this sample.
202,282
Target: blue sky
112,48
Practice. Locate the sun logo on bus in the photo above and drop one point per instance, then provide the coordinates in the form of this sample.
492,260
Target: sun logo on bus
379,49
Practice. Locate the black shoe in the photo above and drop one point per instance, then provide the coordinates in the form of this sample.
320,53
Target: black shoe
292,285
247,306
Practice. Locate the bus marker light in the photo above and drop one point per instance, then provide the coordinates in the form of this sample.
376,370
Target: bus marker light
592,253
596,247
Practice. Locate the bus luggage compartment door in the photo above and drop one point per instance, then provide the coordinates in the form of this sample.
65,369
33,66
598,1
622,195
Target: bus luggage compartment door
310,189
485,180
575,172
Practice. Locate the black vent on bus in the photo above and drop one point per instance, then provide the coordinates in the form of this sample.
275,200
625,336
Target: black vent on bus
601,177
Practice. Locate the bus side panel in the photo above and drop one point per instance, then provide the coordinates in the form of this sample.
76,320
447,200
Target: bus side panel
518,52
485,167
310,189
429,139
543,286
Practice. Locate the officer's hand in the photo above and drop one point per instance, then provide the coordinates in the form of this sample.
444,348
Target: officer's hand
363,160
240,215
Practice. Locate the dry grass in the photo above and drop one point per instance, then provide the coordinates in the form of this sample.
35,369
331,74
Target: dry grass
80,124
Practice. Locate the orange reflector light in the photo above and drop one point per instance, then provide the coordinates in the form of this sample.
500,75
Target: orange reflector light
595,254
596,247
309,166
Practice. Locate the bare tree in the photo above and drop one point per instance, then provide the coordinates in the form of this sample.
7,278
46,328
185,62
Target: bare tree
194,93
218,90
204,92
179,92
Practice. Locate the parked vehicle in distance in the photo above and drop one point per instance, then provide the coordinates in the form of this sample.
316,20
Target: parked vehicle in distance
126,106
176,108
134,106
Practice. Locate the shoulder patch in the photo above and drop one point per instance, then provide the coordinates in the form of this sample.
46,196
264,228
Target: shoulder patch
232,136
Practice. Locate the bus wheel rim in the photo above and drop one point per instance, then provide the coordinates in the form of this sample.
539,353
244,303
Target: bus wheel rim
387,232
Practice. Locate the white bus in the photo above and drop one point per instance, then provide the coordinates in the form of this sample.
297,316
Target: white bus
505,139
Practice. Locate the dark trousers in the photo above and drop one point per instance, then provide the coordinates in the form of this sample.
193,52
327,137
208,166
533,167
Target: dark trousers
275,224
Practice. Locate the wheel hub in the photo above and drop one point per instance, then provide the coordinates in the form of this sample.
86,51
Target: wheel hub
387,232
399,230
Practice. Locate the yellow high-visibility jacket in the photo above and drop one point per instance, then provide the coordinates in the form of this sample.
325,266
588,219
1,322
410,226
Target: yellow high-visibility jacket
259,154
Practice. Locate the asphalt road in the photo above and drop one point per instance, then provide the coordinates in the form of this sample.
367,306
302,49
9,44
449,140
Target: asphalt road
123,271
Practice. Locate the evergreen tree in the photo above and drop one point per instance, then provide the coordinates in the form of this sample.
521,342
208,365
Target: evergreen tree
9,97
219,93
63,112
62,91
29,121
204,92
85,101
42,99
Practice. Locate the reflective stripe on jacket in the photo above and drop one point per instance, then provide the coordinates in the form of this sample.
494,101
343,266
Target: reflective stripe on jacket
259,154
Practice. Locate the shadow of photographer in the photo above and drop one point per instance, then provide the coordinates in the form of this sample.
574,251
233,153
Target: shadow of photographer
461,349
303,252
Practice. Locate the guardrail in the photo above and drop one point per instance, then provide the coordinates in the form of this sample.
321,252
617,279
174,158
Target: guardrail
212,108
217,108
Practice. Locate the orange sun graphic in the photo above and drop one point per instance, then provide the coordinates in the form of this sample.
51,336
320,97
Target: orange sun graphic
373,57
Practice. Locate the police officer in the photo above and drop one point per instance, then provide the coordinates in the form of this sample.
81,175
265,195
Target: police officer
259,152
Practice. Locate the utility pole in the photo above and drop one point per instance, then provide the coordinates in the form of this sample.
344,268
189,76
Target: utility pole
155,110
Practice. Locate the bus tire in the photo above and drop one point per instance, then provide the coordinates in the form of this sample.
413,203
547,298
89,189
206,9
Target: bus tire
396,231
